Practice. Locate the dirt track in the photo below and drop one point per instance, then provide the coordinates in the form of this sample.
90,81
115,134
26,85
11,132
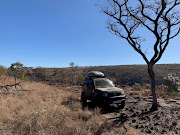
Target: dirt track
136,114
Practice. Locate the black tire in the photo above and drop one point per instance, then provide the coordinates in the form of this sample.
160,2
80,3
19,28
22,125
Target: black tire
83,98
121,106
94,101
98,102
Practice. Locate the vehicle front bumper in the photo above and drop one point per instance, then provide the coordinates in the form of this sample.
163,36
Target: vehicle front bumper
113,100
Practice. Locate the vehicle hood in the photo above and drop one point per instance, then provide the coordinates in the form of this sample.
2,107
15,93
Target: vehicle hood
111,90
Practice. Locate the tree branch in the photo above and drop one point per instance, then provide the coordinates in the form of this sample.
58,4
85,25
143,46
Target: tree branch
142,11
129,18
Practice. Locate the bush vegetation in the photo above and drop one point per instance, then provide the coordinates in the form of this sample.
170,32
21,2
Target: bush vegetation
45,109
49,110
172,82
74,75
122,74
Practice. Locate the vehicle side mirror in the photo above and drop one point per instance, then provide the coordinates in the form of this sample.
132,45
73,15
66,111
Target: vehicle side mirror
90,86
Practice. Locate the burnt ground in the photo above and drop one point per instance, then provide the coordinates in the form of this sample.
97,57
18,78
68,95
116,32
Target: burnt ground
136,114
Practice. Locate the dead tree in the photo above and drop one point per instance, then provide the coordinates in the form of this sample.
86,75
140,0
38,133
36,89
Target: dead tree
73,69
8,87
160,18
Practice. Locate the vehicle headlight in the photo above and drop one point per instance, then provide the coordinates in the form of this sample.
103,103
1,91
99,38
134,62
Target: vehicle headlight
105,94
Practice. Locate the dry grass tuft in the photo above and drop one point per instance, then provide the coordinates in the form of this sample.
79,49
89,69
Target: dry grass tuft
39,111
48,110
45,110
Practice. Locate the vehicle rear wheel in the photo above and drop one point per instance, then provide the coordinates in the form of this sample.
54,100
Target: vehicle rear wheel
121,106
83,98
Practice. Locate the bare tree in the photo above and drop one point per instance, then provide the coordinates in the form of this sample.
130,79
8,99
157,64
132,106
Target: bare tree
159,17
74,69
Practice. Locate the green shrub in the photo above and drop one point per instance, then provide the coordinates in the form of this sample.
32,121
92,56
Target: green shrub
16,70
172,82
2,70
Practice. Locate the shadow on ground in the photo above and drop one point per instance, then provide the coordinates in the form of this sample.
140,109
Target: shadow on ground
105,109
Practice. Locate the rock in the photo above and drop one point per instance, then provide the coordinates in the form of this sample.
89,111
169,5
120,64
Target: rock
148,131
136,126
133,121
174,123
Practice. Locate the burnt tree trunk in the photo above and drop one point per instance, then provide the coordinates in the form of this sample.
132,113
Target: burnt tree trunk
153,86
15,78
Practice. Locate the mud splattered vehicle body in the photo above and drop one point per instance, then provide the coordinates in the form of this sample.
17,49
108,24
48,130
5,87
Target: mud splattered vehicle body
101,90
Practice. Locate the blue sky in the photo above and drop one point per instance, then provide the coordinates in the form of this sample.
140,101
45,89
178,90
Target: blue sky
53,33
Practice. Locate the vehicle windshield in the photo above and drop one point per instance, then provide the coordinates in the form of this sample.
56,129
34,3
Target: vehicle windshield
103,83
